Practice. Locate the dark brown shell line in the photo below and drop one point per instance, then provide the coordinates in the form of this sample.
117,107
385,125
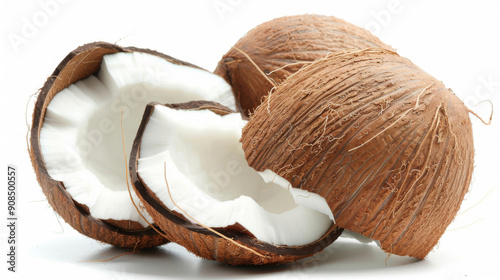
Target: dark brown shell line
381,97
389,120
287,61
338,55
364,104
424,197
429,152
207,251
348,141
409,134
294,63
412,190
269,79
380,217
331,84
437,199
356,110
432,184
320,103
377,189
301,115
318,138
216,248
415,157
197,249
409,141
374,189
288,38
343,208
457,196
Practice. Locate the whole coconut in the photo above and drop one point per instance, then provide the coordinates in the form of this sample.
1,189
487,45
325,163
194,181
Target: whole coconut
274,50
388,146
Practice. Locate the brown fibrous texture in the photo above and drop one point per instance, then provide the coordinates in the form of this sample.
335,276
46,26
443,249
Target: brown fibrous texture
274,50
388,146
79,64
197,238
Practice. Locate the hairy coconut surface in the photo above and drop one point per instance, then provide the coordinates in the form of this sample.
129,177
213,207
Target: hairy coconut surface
87,187
388,146
274,50
258,219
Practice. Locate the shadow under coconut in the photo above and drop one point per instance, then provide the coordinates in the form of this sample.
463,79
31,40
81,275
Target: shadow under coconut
118,255
344,256
172,260
157,262
347,255
213,269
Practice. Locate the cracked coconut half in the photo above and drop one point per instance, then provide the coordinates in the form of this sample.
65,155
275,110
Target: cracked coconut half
76,138
189,169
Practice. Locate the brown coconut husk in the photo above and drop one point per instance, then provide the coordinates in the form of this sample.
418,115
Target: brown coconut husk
387,145
274,50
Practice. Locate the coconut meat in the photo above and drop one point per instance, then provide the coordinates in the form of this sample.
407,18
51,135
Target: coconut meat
209,179
81,139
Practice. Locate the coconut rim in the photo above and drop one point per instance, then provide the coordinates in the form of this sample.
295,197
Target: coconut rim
147,196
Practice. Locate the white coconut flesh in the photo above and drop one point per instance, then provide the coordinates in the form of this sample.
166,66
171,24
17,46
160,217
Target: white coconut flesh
81,138
210,180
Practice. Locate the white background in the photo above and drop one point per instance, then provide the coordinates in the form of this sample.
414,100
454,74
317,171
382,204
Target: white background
456,41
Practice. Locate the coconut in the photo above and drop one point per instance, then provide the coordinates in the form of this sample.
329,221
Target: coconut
274,50
188,168
388,146
76,138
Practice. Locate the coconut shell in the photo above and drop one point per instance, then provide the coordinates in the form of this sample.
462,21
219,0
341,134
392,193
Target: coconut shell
388,146
198,239
280,47
79,64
